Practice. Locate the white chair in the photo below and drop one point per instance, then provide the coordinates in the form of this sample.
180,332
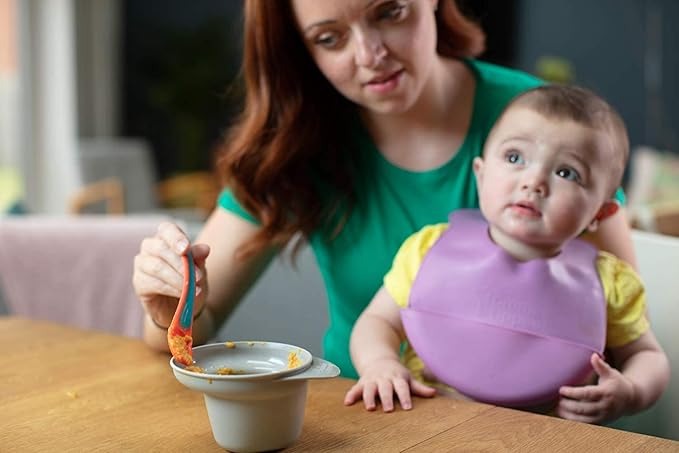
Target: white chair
658,259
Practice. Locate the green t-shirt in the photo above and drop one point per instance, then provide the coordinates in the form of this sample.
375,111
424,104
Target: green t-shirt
392,203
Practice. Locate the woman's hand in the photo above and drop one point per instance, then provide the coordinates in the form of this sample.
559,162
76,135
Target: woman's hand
158,272
610,398
382,379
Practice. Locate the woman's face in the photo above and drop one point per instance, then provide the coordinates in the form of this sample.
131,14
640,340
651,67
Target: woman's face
377,53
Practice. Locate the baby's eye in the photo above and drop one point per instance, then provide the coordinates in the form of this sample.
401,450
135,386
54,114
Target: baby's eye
568,174
514,158
391,11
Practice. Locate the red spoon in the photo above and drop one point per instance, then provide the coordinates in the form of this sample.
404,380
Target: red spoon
179,333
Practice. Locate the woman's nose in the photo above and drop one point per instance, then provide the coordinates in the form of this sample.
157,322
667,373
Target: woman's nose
370,49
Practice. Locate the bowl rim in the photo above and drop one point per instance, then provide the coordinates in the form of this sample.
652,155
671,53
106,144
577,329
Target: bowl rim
306,362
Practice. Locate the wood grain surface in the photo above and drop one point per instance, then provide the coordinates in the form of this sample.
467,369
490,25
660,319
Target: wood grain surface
65,389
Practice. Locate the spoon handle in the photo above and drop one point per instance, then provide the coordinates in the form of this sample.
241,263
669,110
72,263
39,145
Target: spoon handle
188,291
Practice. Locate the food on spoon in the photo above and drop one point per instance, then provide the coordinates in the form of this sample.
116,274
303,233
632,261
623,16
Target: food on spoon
180,345
179,334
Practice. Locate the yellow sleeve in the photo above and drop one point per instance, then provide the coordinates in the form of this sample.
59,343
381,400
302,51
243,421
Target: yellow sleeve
407,261
625,299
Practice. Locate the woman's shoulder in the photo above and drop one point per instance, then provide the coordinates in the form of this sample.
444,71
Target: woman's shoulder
493,76
496,86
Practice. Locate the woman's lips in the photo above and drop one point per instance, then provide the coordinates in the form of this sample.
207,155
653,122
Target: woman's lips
385,84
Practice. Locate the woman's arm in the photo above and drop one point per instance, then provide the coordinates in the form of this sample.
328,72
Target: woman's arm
228,276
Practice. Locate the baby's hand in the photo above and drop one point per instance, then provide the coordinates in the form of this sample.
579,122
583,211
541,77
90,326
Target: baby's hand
384,378
610,398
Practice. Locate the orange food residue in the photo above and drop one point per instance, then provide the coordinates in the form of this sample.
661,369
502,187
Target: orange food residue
293,360
180,345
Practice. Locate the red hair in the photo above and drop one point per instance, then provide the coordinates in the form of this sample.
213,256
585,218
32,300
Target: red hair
288,159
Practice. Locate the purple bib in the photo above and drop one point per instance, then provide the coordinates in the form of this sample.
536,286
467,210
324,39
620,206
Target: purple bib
499,330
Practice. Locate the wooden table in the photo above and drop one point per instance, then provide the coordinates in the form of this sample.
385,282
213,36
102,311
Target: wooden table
64,389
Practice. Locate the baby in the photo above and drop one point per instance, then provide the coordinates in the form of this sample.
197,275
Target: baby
506,305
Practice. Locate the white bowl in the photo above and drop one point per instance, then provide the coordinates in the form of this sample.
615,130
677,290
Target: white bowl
261,407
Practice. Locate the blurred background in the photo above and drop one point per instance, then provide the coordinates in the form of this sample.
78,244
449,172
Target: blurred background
117,105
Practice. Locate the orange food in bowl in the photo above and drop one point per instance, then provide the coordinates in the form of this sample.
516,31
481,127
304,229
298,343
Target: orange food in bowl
293,360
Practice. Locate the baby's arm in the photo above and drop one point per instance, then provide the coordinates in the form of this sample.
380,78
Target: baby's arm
642,377
374,345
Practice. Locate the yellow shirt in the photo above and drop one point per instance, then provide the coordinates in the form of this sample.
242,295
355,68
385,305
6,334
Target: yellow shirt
623,290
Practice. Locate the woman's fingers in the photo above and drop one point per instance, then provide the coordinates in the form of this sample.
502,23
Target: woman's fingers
158,247
174,237
200,253
154,274
160,281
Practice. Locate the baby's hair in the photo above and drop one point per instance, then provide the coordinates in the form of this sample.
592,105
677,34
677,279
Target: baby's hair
583,107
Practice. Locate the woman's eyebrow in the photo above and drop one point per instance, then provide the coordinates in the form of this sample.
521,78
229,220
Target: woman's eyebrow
319,24
332,21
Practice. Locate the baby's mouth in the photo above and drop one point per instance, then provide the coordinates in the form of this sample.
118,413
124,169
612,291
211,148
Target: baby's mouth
526,209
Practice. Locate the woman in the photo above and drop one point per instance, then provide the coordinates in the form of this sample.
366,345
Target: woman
361,122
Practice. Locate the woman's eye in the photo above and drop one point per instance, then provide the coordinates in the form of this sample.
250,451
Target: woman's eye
568,174
328,40
391,11
514,158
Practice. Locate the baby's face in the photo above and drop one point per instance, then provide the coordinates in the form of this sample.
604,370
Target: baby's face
542,180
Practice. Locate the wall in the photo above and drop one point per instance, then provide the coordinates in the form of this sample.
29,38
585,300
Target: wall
288,304
623,49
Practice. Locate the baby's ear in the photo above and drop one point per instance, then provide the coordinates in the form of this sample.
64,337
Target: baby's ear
477,166
609,208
